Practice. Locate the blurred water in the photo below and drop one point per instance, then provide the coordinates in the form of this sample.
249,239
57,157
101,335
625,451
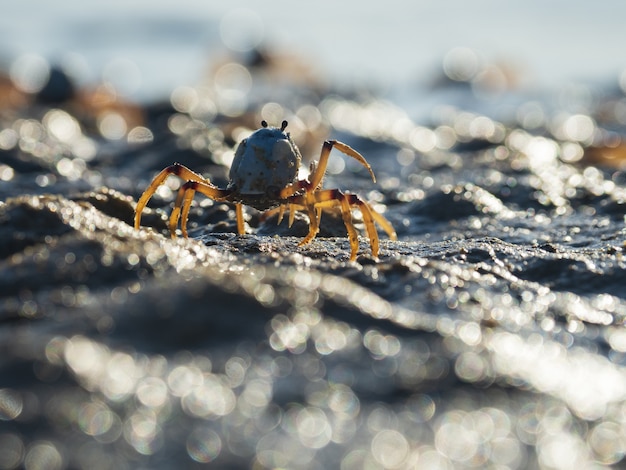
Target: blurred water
161,45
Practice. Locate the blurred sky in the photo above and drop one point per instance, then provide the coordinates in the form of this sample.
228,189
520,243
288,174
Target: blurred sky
157,45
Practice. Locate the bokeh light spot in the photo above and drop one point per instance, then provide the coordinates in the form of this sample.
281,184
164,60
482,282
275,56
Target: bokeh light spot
30,72
390,448
11,404
43,455
204,445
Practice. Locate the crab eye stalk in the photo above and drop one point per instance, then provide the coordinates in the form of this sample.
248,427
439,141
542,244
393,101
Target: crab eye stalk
283,125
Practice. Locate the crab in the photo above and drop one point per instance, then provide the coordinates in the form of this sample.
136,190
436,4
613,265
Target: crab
264,175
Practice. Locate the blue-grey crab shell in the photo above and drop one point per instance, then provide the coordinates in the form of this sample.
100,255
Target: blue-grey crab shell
265,162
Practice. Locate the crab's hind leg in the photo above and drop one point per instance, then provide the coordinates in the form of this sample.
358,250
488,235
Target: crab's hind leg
314,225
334,197
368,219
307,203
174,169
384,224
353,236
315,202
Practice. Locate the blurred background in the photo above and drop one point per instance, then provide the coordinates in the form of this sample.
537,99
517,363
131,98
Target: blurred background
148,48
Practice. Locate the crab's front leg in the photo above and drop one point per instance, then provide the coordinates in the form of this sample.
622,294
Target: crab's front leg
194,183
174,169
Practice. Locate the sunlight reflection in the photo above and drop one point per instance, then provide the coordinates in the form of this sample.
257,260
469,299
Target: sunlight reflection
390,448
224,400
312,427
43,455
61,125
11,404
142,431
204,445
211,398
152,392
95,418
112,125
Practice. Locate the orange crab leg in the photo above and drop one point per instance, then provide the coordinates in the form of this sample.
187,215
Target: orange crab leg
353,236
185,214
383,223
185,198
174,169
314,202
333,197
313,225
320,169
369,215
241,228
280,210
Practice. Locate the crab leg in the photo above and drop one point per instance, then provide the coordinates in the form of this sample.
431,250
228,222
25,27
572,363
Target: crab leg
383,223
369,214
314,226
292,213
372,234
315,202
280,211
353,236
241,228
184,199
320,169
334,197
174,169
